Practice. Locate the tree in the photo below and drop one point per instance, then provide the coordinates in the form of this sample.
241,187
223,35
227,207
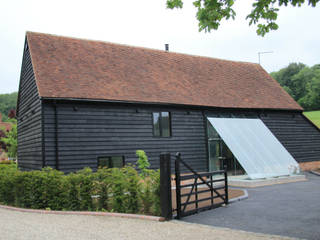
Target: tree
12,114
10,141
7,102
285,78
311,100
264,12
2,135
302,83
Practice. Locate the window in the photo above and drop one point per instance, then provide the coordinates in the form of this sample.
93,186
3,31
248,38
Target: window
161,124
111,162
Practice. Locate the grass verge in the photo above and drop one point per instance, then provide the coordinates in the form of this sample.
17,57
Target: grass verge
314,116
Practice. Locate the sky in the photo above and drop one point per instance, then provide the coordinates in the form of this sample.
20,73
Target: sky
147,23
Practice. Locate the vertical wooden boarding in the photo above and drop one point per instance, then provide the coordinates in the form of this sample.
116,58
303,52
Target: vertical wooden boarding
165,186
178,190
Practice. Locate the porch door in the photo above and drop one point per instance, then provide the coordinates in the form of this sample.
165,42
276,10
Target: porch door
220,154
214,148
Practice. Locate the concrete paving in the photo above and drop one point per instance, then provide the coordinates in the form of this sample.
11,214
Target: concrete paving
35,226
291,209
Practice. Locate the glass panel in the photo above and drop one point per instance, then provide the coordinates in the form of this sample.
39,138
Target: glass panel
117,162
156,124
165,124
258,151
212,133
233,166
103,162
214,149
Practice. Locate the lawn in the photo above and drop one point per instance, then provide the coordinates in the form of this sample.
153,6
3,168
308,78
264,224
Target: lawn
314,116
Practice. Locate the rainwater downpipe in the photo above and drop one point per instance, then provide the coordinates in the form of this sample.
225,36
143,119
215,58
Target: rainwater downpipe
56,134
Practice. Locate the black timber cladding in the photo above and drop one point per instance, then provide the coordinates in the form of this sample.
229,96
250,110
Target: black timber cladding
300,137
296,133
29,118
88,131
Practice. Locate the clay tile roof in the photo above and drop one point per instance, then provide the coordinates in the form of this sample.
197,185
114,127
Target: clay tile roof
83,69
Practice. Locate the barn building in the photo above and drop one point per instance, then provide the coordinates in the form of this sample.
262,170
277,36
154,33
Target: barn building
91,103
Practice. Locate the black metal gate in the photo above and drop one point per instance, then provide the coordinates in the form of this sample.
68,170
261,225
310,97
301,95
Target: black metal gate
197,192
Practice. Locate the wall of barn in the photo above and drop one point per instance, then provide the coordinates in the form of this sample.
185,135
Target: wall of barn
87,131
29,118
300,137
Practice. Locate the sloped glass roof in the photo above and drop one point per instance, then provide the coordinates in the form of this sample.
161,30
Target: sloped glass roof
258,151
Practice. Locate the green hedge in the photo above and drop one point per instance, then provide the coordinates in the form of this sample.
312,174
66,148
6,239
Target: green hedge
115,190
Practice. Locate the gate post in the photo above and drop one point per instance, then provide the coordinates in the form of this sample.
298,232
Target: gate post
226,185
165,186
178,189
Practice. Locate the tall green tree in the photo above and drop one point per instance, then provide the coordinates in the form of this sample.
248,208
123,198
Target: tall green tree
285,78
264,13
311,100
302,83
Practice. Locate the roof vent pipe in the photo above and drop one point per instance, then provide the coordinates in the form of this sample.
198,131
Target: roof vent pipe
167,47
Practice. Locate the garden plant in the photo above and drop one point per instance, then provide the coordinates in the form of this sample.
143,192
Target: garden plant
124,190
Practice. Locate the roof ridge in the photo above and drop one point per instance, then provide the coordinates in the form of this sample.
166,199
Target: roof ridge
140,47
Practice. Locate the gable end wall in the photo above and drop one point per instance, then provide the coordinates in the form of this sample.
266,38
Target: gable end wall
29,118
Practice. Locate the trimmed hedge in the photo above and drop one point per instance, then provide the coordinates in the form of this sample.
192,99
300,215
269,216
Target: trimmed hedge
114,189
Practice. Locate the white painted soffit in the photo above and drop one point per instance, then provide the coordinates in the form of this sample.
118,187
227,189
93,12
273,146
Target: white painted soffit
257,150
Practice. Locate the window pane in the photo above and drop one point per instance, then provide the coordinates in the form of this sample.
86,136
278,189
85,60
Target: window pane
117,162
212,133
165,124
156,124
103,162
214,153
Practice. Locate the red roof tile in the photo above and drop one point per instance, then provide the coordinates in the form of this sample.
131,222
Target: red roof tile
83,69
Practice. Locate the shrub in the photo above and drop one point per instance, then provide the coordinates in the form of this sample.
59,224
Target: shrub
150,190
7,162
115,189
132,189
102,188
85,189
150,194
73,193
7,183
142,163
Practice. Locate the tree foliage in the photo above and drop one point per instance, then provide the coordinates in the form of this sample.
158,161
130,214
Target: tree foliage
2,135
7,102
302,83
264,13
10,141
142,162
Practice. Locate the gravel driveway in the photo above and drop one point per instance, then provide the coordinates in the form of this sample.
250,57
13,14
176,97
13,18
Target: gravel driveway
35,226
291,209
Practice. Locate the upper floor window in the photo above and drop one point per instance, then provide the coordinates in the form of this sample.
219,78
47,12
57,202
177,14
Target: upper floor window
161,124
